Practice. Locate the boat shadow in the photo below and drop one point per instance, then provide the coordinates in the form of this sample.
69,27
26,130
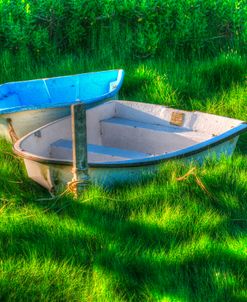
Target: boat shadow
144,260
137,257
242,144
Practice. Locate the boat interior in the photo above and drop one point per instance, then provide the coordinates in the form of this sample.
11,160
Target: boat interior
124,130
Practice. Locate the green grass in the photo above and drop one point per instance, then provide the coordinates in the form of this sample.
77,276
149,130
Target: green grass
140,28
164,239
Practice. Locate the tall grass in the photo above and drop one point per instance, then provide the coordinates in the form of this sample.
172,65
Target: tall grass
139,28
215,85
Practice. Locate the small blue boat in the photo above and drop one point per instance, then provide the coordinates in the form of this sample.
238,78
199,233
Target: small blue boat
27,105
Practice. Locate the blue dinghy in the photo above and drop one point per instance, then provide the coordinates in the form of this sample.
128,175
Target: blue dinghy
27,105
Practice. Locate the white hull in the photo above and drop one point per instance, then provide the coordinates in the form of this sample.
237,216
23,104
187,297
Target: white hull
24,122
126,142
17,124
57,177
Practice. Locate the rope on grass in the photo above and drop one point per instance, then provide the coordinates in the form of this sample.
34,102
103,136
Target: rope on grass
191,172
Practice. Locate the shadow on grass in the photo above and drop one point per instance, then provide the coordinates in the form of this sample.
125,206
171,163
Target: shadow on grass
145,260
142,259
242,144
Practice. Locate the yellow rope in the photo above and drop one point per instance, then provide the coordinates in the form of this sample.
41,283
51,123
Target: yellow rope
72,186
191,172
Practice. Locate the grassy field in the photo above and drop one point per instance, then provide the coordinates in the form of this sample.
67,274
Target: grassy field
139,28
165,239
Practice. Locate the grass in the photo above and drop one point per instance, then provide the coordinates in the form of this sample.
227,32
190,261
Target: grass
166,239
139,27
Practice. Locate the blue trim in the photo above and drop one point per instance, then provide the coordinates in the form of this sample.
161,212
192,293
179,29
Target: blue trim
39,96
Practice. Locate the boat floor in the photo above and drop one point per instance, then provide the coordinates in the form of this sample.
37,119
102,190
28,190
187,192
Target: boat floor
62,149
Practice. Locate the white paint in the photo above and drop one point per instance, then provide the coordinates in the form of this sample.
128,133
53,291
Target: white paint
24,122
120,132
58,176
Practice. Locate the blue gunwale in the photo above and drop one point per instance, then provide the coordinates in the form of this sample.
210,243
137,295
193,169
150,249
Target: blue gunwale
50,104
153,160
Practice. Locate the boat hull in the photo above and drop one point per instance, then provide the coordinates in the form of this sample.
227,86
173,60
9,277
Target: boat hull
17,124
126,142
28,105
56,177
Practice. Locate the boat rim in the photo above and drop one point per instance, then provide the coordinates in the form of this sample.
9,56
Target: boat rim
90,102
152,160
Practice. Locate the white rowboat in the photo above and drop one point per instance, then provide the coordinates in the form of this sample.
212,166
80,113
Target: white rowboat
126,141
